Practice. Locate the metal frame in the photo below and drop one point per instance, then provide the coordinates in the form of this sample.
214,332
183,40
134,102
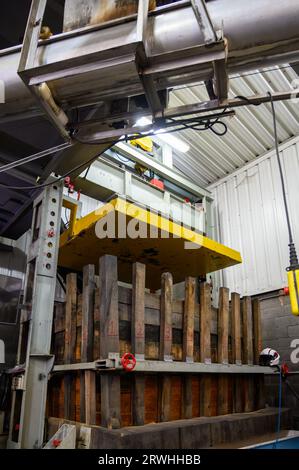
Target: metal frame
30,393
27,63
114,364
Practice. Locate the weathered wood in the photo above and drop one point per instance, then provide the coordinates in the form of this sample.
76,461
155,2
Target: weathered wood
223,319
90,396
188,322
236,328
238,395
257,330
249,393
247,330
70,343
166,317
205,348
166,343
109,340
205,323
96,325
138,339
188,344
165,398
87,378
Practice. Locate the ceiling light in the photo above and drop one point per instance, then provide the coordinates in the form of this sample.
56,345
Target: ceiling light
168,138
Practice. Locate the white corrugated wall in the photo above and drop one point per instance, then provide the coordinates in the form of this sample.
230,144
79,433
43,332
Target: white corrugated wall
249,216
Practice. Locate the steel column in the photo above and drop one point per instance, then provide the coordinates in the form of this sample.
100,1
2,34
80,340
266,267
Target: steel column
30,387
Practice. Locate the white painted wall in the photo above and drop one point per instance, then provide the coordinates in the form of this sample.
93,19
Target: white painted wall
249,216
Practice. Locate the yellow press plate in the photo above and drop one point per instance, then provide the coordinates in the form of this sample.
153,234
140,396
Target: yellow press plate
166,246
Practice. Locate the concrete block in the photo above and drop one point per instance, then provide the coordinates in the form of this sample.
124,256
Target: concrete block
293,331
289,320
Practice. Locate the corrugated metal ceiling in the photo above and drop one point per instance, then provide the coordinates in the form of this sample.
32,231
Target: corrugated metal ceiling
249,132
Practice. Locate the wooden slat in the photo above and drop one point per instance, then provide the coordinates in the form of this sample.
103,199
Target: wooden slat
188,325
257,348
248,382
205,323
257,329
87,378
166,343
96,325
247,330
166,317
223,319
236,328
205,348
188,344
138,339
109,340
70,343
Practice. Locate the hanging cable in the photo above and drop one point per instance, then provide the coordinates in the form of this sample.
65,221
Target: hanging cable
293,269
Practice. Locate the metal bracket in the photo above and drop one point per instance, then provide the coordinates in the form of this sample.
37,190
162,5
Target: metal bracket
40,91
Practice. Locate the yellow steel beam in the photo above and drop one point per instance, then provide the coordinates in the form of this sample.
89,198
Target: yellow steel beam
166,246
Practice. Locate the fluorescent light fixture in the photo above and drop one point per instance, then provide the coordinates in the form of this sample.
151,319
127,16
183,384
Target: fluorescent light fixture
166,137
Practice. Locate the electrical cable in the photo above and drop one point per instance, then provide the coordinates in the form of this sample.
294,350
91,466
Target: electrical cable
293,255
36,156
45,185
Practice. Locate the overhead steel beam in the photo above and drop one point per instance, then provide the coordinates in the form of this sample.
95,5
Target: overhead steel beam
168,173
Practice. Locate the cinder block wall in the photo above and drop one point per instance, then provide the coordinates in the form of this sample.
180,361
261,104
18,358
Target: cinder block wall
280,328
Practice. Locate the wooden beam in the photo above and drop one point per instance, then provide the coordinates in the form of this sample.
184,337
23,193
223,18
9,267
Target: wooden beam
70,344
236,328
223,318
166,343
138,339
188,344
205,348
257,330
166,317
87,381
247,330
205,323
236,350
109,340
96,325
257,348
248,382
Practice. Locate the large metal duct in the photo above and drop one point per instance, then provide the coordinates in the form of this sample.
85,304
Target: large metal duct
259,33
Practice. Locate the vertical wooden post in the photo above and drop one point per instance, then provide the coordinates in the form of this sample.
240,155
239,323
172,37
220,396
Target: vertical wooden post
70,344
188,343
223,317
205,347
138,339
257,347
96,325
236,348
87,378
236,328
109,340
166,343
248,352
247,330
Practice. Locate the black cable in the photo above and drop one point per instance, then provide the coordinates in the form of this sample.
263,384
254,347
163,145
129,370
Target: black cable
293,254
244,98
45,185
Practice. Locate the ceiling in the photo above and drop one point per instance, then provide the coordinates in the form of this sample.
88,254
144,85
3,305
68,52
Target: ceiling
250,133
